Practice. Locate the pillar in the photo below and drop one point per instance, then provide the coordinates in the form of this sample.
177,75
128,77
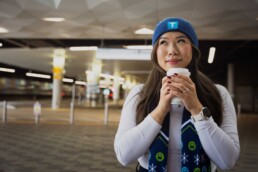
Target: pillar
116,83
230,80
58,66
116,91
93,84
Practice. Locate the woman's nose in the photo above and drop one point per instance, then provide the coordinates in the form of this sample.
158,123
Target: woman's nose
172,49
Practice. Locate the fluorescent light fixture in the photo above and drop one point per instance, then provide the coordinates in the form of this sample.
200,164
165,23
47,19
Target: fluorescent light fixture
90,48
37,75
211,54
122,54
3,30
1,44
2,69
111,77
54,19
139,47
68,80
80,82
144,31
107,76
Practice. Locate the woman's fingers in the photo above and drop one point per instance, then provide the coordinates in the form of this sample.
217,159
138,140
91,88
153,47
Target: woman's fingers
183,83
184,78
181,87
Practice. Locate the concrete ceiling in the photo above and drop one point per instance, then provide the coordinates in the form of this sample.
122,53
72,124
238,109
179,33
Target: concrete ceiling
31,41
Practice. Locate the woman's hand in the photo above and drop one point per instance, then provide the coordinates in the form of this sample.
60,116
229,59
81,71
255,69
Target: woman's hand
163,107
184,88
165,94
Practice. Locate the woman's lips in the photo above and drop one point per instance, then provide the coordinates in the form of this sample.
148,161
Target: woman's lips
173,61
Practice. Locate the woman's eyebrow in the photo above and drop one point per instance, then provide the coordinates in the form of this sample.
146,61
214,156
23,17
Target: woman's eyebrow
181,36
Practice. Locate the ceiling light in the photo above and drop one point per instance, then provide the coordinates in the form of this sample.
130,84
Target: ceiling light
3,30
90,48
1,44
107,76
139,47
68,80
54,19
80,82
211,54
112,77
122,54
37,75
7,70
144,31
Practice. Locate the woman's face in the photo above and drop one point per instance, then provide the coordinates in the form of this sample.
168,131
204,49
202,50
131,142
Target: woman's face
174,50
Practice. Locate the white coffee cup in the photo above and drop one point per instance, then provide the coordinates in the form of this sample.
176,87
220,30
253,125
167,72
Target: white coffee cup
181,71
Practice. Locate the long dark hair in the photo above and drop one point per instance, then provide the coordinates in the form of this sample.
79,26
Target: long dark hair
206,90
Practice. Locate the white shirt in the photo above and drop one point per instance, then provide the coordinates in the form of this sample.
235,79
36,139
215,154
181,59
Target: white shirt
132,141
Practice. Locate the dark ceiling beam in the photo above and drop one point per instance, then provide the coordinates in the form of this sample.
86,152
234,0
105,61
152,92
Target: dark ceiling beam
57,43
16,43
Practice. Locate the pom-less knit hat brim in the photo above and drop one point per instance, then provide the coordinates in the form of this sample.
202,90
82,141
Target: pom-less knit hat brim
172,25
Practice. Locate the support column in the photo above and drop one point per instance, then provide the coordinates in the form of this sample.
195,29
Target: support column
230,80
93,84
116,83
58,65
127,86
116,91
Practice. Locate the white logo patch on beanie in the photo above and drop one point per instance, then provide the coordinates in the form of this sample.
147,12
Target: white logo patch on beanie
172,25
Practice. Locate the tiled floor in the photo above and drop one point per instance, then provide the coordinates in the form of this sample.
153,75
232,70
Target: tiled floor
54,148
87,146
248,129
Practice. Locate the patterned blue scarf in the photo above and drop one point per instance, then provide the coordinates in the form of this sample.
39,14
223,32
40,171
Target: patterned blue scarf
194,158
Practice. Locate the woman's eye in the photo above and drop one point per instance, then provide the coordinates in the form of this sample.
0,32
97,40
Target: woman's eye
162,42
181,41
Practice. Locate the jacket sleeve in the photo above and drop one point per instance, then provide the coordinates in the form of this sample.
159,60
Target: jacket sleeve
221,143
131,140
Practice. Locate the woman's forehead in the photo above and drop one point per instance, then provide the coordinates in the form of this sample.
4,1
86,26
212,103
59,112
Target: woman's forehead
173,34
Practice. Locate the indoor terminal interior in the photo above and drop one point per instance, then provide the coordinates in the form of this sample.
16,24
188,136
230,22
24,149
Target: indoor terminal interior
66,68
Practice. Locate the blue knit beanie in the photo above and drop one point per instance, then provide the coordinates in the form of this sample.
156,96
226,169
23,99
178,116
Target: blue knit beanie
174,24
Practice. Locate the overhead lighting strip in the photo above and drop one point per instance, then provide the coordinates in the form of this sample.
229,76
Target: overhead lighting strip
37,75
144,31
211,54
80,82
54,19
122,54
3,30
68,80
90,48
139,47
2,69
112,77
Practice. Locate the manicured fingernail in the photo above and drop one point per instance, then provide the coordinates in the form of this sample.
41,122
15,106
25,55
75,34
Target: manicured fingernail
176,74
169,77
169,82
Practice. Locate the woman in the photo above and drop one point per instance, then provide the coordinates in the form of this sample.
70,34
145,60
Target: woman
200,134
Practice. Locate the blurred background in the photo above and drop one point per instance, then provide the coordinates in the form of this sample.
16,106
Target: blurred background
94,38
